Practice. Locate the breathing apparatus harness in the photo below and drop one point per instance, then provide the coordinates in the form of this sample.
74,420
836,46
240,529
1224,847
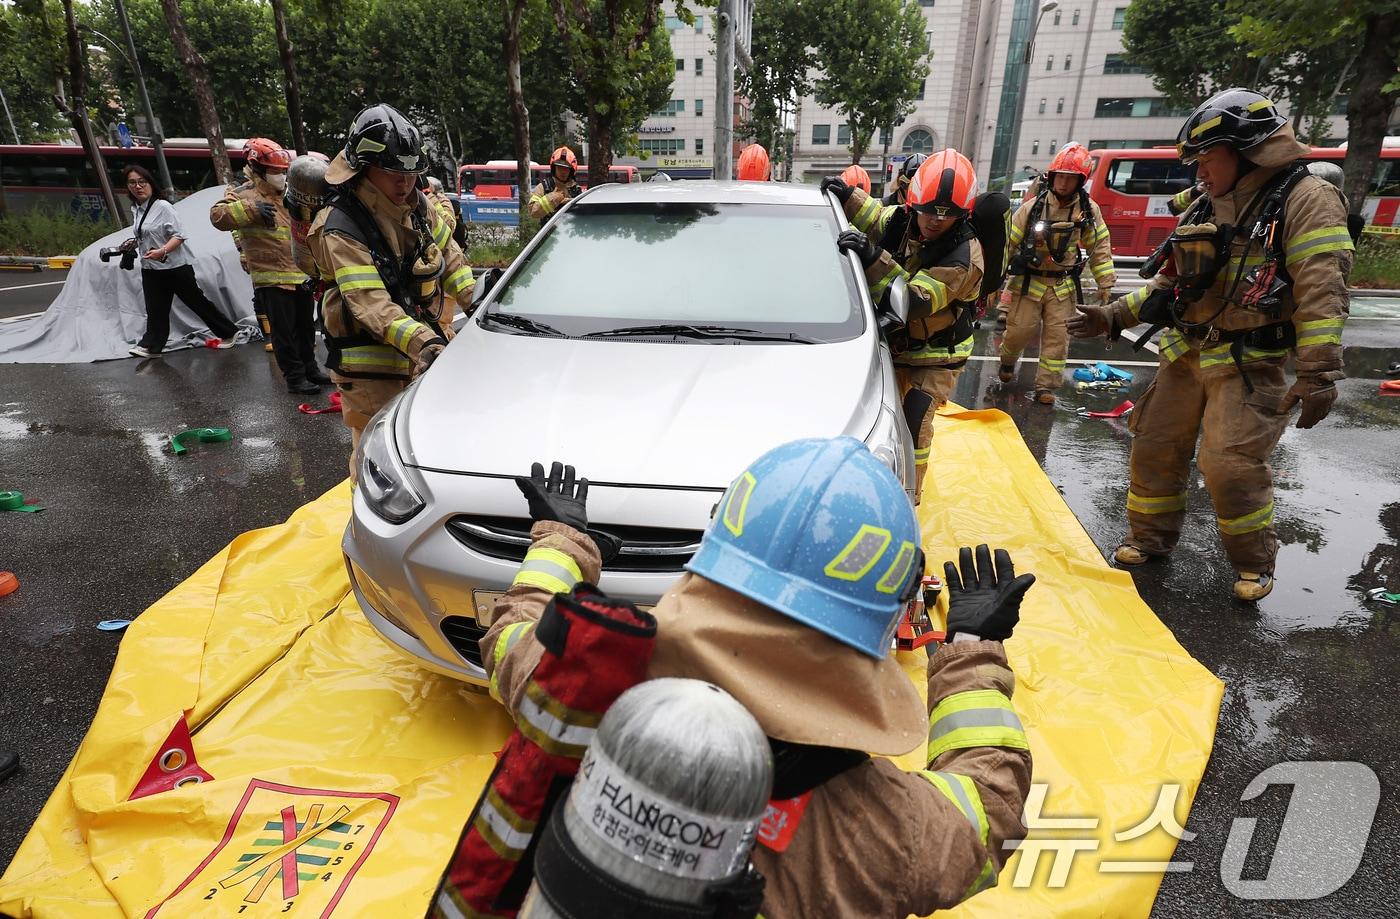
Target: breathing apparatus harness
1057,239
410,281
1198,250
929,254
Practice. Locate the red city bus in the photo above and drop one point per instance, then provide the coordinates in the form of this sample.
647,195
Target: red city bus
58,177
1132,188
496,178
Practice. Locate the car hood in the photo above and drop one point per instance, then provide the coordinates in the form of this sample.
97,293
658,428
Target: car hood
633,412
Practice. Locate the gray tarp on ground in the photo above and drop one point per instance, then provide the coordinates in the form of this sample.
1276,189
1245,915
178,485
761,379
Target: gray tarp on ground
100,313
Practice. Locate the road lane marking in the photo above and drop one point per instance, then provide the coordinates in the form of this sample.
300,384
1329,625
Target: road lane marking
28,286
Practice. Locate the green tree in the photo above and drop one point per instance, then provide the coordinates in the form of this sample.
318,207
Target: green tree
30,57
874,57
783,59
619,53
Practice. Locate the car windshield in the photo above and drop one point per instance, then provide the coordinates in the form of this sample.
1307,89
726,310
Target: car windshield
707,273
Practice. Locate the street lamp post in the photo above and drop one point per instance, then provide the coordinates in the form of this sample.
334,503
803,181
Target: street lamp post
1045,7
9,117
132,61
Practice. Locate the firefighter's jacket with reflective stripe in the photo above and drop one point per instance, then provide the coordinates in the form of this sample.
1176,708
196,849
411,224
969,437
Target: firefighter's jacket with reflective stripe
548,197
1317,258
933,290
1092,237
266,250
356,300
875,840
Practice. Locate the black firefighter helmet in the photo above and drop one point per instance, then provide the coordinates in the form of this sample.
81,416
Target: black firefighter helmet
381,136
1239,117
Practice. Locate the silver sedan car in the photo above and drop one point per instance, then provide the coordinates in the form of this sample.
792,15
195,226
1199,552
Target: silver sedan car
658,337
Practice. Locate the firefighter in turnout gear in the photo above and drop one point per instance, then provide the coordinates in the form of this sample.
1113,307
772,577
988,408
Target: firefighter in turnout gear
1050,234
929,242
559,186
254,212
1256,270
790,605
387,257
907,170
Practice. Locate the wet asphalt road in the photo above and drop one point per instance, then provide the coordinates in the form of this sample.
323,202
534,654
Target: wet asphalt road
1310,674
23,293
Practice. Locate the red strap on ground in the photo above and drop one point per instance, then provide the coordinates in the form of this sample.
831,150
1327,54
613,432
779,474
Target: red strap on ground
1118,412
334,409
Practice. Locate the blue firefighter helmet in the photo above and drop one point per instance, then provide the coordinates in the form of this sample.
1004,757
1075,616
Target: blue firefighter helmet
821,531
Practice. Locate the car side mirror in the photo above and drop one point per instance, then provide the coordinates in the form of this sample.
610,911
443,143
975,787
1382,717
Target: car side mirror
485,283
899,301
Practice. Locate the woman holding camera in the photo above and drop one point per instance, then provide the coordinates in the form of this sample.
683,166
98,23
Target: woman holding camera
167,270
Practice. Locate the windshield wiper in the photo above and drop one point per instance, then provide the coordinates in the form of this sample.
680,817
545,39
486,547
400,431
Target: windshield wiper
524,324
681,330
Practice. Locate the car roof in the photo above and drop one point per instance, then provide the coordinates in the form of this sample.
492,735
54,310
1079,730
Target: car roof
703,192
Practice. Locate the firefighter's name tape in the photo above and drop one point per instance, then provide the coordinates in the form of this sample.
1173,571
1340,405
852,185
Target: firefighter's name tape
656,831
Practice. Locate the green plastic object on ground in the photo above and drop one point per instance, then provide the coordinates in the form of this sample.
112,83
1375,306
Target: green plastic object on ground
203,435
14,501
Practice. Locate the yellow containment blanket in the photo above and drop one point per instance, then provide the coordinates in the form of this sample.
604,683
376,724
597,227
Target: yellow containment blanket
342,773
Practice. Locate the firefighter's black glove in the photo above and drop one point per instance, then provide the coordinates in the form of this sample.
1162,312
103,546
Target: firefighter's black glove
267,213
560,497
984,599
852,240
838,187
574,189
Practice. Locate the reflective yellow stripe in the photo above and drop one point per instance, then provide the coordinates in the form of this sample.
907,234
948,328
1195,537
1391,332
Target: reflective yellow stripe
1256,106
277,277
358,277
548,569
508,637
401,332
976,718
1052,365
442,232
1172,345
459,280
860,554
736,506
543,204
922,455
882,283
1320,332
959,352
1316,242
367,358
962,792
239,212
1017,234
1183,197
1135,299
1098,233
865,215
1204,126
267,232
897,575
1249,523
1103,271
937,291
986,878
1167,504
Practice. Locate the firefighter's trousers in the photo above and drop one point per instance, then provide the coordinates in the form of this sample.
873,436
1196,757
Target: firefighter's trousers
1027,315
1238,430
359,400
939,383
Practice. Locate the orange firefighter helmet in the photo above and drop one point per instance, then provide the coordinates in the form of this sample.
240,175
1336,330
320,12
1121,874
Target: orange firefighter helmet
1073,158
266,154
856,177
753,164
563,156
945,185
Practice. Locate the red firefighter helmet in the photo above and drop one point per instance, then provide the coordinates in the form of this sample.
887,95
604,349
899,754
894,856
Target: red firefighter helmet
1073,158
563,156
753,164
266,154
944,186
856,177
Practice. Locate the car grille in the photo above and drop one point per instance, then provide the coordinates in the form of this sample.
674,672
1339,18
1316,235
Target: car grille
643,548
465,636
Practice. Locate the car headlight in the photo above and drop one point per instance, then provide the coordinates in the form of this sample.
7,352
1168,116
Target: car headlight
384,480
884,441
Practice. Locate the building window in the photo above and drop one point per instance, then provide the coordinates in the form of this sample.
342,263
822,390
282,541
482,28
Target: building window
680,65
674,24
1068,57
699,23
1035,147
1042,106
671,146
699,106
925,2
821,134
1074,21
1052,144
1049,62
699,66
843,135
1144,107
1060,106
929,36
917,141
1057,17
1117,63
671,109
923,85
699,146
1118,15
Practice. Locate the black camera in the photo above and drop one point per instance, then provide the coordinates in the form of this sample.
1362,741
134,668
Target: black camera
127,256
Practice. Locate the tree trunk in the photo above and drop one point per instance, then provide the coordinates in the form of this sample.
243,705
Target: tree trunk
1368,108
289,72
520,113
75,109
600,130
203,95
